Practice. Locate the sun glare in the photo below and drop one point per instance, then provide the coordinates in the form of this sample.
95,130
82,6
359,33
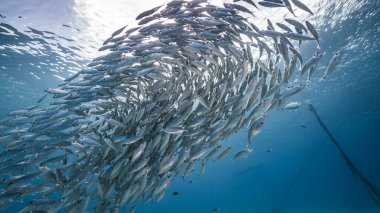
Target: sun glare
98,19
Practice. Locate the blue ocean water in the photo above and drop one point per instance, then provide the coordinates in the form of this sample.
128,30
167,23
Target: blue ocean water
294,167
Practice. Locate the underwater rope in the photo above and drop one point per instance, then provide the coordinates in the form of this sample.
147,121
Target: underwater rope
371,188
373,196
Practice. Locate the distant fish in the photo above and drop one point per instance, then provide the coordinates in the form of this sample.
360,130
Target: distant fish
249,170
132,209
224,153
174,130
290,91
292,105
36,31
242,154
147,13
42,98
271,4
118,31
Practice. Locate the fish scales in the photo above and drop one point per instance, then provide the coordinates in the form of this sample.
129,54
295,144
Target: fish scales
158,104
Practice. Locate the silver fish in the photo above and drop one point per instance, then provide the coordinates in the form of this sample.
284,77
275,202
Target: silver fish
302,6
292,105
312,61
147,13
312,30
242,154
334,62
270,4
158,104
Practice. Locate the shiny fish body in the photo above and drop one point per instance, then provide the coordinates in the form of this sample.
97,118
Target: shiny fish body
334,62
302,6
158,104
313,31
312,61
292,105
242,154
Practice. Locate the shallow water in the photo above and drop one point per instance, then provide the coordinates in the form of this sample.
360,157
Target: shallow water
294,166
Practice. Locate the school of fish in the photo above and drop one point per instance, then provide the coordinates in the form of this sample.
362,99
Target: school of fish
157,105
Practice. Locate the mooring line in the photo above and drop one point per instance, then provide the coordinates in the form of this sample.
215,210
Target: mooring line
371,188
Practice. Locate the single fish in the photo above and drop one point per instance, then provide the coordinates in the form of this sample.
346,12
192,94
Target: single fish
242,154
224,153
148,12
312,30
312,61
292,105
270,4
334,62
302,6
